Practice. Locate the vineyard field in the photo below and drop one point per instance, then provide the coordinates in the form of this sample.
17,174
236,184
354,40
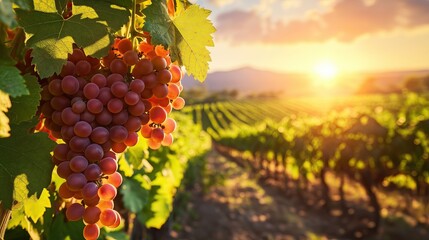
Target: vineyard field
317,150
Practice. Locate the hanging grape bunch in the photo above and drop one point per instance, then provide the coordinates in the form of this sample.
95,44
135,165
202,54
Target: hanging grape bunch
97,107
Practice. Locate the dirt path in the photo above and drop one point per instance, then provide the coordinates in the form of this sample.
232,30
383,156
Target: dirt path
237,207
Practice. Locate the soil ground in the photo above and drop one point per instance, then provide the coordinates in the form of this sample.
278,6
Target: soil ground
236,206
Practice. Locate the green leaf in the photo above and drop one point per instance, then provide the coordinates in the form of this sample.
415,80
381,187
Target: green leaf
193,41
114,14
5,104
188,35
20,155
62,229
35,207
159,24
134,195
52,38
24,108
136,154
11,81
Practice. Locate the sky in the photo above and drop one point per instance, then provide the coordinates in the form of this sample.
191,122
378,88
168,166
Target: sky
299,35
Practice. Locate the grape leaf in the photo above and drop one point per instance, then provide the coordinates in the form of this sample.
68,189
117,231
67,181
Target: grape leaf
52,38
193,41
25,107
5,104
158,23
7,15
134,195
135,154
62,229
188,43
11,81
114,14
20,155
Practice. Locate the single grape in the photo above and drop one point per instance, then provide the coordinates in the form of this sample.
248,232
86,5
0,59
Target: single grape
169,125
55,88
107,192
87,116
91,215
108,217
119,89
91,232
146,131
137,85
100,135
131,58
76,181
70,85
94,152
173,91
94,106
108,165
79,107
60,151
118,134
63,169
157,115
115,105
118,66
82,68
78,164
131,98
82,129
178,103
164,76
99,79
91,90
176,73
75,212
159,63
125,45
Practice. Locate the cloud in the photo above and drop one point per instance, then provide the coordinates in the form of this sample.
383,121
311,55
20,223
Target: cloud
346,21
221,3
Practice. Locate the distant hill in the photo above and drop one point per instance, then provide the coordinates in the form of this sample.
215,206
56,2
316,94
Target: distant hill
249,80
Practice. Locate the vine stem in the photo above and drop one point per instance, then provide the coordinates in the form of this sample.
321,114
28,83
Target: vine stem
4,219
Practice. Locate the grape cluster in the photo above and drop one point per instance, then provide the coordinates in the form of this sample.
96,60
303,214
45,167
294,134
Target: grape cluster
97,107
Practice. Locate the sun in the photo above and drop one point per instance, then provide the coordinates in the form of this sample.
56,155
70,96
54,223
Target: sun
325,71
